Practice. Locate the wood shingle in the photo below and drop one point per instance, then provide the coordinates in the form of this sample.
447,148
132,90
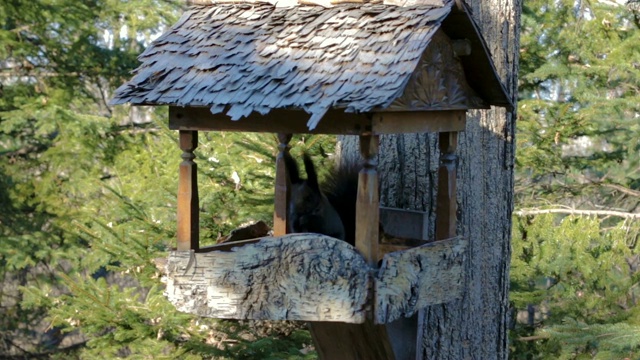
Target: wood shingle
240,58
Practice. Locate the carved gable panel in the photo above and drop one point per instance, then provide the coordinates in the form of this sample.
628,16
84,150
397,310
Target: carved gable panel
439,82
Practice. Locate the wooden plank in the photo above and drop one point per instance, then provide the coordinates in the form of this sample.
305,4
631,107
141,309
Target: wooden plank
337,341
407,224
335,121
276,121
283,188
367,202
446,200
403,334
384,249
402,122
413,279
479,69
306,277
188,202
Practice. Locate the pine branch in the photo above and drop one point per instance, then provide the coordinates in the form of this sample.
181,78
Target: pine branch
44,355
626,215
534,337
623,189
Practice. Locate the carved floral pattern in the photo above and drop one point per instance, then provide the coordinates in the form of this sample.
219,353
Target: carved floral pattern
438,83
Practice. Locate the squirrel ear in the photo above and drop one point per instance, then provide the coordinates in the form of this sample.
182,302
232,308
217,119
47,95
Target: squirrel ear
312,176
292,168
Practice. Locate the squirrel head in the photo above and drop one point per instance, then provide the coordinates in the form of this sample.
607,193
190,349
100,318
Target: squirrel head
308,209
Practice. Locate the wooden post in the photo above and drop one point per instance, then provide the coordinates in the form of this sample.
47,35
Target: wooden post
446,207
368,204
282,191
188,204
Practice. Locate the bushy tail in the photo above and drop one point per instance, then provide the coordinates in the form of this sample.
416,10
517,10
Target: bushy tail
341,189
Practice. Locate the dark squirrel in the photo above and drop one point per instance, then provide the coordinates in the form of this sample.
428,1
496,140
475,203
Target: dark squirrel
328,208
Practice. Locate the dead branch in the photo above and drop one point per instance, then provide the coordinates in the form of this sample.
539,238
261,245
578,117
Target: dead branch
626,215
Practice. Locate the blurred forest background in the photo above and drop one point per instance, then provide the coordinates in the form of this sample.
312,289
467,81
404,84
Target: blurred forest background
88,191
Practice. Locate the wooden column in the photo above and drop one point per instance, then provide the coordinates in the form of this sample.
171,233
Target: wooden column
188,204
282,191
368,204
446,207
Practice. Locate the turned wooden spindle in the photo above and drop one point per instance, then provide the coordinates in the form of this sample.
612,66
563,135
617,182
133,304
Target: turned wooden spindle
368,203
283,186
446,207
188,205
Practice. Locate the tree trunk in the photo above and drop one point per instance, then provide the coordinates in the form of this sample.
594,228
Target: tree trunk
474,327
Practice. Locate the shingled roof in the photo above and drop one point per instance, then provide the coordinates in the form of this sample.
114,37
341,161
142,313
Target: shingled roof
237,58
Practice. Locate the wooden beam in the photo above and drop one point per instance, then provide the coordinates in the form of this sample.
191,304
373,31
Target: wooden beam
368,203
188,203
402,122
446,202
415,278
336,121
336,341
283,187
276,121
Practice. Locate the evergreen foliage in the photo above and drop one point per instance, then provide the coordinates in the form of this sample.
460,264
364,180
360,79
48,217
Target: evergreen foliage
579,104
577,149
88,194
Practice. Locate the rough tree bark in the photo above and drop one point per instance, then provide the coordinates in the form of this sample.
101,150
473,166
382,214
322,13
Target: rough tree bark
474,327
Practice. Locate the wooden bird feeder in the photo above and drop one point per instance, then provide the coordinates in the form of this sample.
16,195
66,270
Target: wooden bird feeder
355,68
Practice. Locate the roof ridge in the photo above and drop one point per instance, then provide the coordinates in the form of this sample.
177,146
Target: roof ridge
323,3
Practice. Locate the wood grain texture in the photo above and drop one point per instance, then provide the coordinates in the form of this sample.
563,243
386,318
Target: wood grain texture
475,326
415,278
360,57
296,277
438,82
367,341
417,121
405,224
282,188
367,202
335,121
446,201
276,121
188,202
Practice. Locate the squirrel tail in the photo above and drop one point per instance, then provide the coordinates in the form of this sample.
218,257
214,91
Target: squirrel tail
341,189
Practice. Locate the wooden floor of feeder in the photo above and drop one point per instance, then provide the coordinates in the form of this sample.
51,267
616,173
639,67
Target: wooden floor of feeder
312,277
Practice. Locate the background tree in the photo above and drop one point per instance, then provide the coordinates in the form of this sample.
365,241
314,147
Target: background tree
87,193
575,255
474,327
579,105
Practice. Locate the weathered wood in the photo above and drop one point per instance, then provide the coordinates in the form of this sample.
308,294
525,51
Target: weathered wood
252,231
405,122
276,121
446,206
481,75
403,334
307,277
412,67
336,341
227,246
413,279
335,121
390,244
407,224
367,203
188,208
283,187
